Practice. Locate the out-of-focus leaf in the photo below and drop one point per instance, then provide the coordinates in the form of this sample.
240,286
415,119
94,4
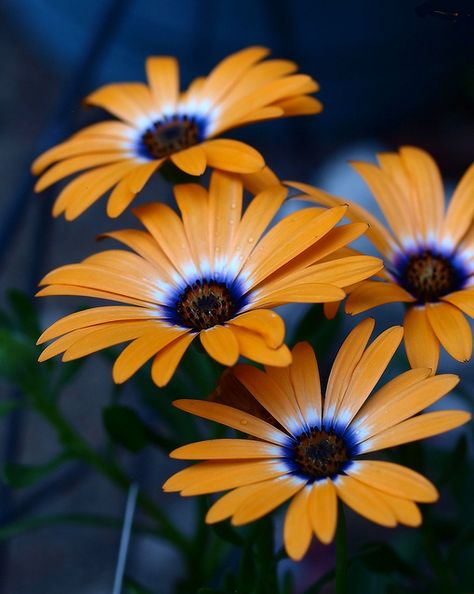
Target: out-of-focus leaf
125,427
247,572
23,475
7,407
382,558
317,329
131,586
25,313
225,531
17,356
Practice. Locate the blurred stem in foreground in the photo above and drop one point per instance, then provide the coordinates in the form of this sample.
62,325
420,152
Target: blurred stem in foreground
341,552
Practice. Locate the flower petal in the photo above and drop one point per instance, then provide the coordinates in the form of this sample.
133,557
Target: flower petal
364,500
374,293
265,322
232,155
236,419
252,346
421,343
304,375
297,531
461,209
221,344
394,479
227,449
322,509
163,77
167,360
191,160
452,329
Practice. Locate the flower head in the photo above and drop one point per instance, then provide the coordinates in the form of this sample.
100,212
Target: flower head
428,252
308,451
207,273
158,123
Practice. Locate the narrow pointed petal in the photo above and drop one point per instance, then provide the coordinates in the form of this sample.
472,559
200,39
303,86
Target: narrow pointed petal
365,501
221,344
191,160
304,375
167,360
421,343
270,496
394,479
236,419
414,429
227,449
265,322
452,329
344,364
322,509
252,346
227,505
461,209
271,397
297,531
367,373
371,294
232,155
163,76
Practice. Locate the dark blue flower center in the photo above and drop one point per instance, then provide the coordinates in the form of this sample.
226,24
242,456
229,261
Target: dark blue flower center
170,135
205,303
428,275
320,453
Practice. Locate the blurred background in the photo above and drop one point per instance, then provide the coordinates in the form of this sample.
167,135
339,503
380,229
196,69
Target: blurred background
391,73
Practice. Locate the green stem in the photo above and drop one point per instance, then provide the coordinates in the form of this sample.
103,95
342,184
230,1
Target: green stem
341,552
80,449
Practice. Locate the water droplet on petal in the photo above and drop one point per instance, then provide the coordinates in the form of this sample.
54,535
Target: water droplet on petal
243,422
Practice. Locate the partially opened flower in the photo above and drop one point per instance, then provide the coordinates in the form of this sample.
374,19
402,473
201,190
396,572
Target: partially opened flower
309,452
429,252
157,123
208,273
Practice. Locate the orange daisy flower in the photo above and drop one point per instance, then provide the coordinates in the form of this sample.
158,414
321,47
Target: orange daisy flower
309,452
428,252
158,123
208,273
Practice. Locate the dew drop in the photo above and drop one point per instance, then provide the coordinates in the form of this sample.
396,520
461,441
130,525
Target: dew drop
243,422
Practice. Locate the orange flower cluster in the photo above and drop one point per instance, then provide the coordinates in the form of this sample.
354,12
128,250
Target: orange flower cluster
214,270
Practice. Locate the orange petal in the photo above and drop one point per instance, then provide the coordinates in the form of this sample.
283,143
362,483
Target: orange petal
304,375
131,102
221,344
344,364
374,293
364,500
415,397
270,495
137,353
163,77
394,479
259,181
297,528
427,187
464,300
217,475
452,329
367,373
227,449
93,316
406,511
236,419
225,206
323,510
301,105
279,404
232,155
253,347
227,505
419,427
421,343
264,322
167,360
191,160
461,208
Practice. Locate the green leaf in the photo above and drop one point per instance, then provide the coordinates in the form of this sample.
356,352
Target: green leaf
126,428
382,558
25,313
7,407
131,586
225,531
317,329
18,361
23,475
